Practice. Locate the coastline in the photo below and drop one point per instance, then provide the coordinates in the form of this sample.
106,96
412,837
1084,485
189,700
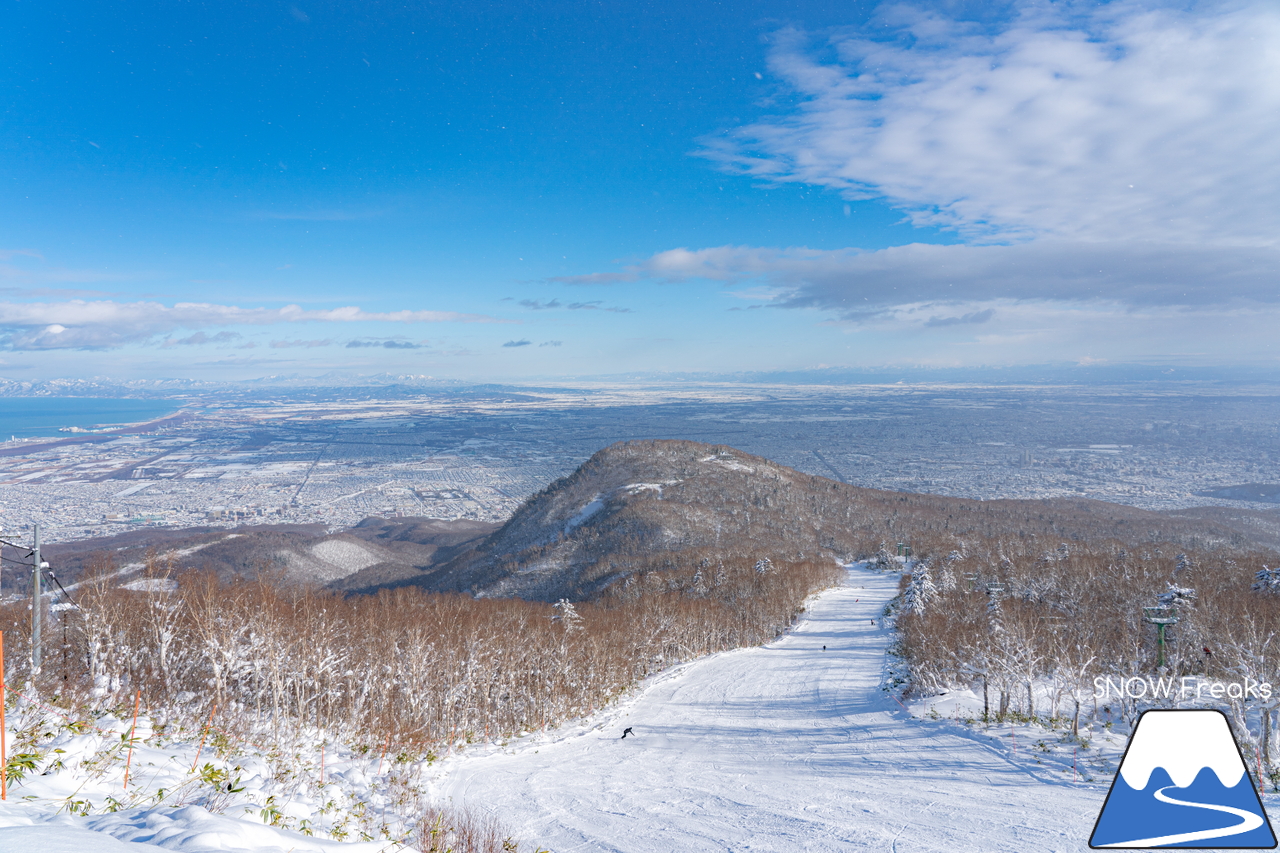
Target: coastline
33,445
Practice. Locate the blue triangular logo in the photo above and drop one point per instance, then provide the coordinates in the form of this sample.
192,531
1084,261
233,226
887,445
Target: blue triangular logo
1183,783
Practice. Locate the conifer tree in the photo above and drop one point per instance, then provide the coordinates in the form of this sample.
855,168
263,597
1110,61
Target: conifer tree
920,590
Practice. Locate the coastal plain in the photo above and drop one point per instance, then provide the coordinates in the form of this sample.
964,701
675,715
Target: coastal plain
337,457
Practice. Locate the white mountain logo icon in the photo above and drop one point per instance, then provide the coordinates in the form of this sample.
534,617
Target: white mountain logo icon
1182,783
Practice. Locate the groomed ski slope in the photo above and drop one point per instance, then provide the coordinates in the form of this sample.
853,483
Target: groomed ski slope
780,748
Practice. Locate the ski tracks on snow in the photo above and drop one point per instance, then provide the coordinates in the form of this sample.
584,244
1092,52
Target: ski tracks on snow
779,748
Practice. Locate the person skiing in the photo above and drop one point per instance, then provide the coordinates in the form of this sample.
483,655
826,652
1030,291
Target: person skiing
626,731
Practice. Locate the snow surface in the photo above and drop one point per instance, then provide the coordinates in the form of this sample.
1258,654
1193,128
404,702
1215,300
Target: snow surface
593,506
780,748
82,770
343,552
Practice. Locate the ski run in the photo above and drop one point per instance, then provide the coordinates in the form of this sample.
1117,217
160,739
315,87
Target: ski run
787,747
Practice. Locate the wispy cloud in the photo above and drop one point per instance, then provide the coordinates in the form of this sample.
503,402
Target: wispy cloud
82,324
594,305
386,344
973,318
28,267
201,338
519,343
325,342
595,278
1076,122
551,343
851,281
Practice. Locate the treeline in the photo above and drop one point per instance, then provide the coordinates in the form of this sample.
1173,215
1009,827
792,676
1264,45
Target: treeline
419,668
1031,624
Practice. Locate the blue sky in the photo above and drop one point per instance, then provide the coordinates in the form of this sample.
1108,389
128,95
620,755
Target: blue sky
519,190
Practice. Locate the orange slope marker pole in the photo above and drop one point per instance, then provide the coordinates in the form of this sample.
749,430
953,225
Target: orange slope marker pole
137,703
383,757
204,734
4,758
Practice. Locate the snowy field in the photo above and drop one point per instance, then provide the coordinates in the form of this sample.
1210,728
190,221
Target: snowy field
788,747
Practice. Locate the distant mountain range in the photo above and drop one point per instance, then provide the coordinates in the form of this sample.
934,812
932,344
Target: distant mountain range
106,387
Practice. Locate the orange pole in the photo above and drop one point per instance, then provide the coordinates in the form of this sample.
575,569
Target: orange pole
385,747
137,702
4,758
204,734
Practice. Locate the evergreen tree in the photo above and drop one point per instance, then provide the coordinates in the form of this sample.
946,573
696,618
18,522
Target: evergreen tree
920,589
884,561
1266,581
566,615
1178,596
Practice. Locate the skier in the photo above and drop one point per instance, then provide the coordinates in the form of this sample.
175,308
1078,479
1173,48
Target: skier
626,731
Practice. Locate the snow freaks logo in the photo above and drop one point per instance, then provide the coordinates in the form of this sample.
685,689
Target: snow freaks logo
1182,782
1187,687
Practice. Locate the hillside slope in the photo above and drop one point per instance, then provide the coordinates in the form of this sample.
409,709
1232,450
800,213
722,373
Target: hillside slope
649,505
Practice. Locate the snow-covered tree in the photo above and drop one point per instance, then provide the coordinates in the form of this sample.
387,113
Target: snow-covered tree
884,560
946,578
920,589
995,614
763,566
1267,580
566,615
1177,596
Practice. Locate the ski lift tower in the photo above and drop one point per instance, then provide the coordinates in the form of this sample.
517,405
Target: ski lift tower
1162,618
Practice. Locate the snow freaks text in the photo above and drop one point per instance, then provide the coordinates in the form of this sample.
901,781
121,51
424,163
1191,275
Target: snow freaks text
1186,687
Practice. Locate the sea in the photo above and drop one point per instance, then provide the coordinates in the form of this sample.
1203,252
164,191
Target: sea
38,417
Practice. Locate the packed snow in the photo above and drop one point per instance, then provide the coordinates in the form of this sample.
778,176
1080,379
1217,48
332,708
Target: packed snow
786,748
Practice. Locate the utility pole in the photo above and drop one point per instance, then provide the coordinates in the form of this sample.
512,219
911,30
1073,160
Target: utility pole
36,565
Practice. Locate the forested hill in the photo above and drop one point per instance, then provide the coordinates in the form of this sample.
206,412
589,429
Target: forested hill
640,506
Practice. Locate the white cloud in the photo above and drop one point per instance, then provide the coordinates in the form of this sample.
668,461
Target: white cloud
94,324
852,282
1072,121
1027,332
